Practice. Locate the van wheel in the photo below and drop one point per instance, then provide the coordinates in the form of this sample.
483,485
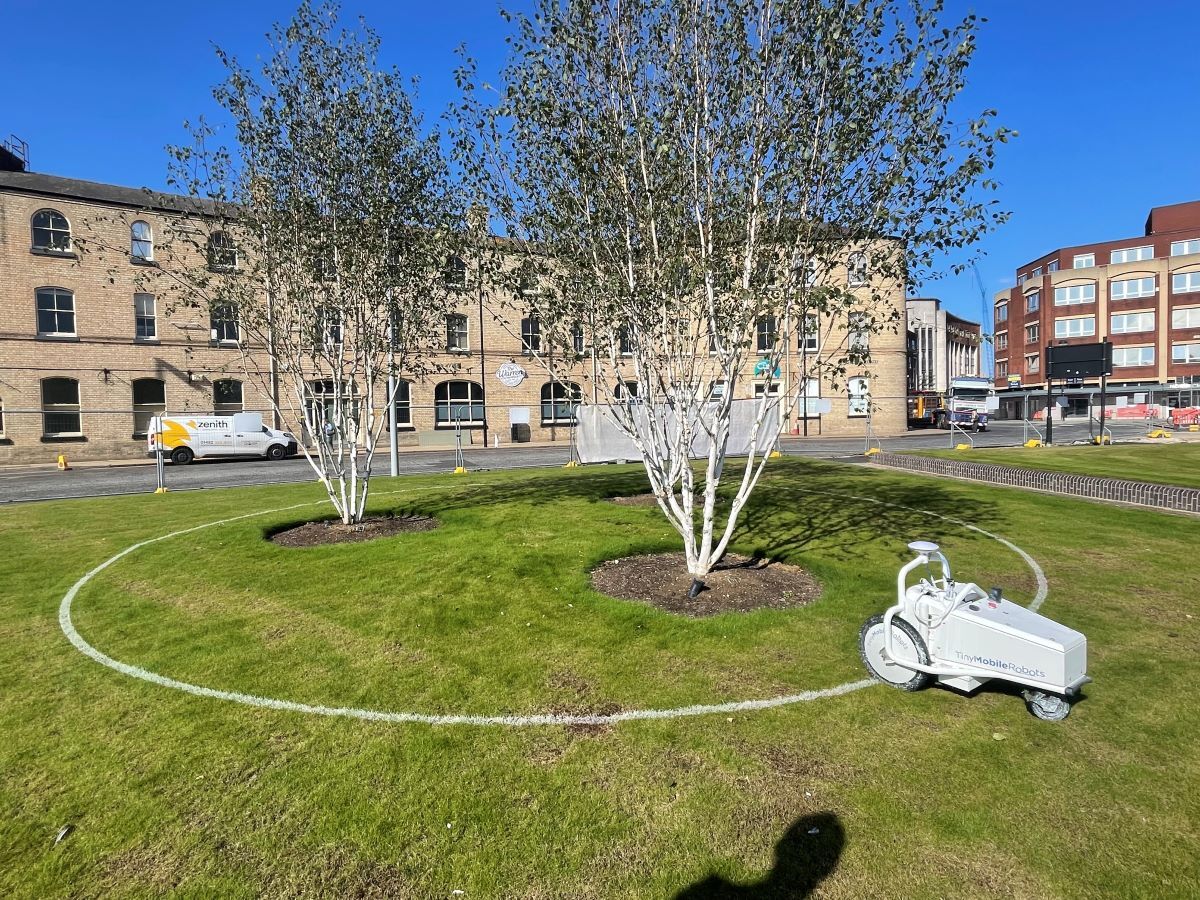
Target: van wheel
276,452
181,456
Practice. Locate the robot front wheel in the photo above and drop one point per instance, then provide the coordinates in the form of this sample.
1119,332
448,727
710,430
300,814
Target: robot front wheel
1047,706
906,644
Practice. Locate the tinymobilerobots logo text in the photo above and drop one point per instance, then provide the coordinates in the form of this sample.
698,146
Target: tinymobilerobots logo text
999,664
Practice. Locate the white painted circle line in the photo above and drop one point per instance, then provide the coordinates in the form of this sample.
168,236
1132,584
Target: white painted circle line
371,715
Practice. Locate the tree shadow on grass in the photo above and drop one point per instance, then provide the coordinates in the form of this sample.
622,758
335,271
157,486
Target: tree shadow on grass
796,508
808,852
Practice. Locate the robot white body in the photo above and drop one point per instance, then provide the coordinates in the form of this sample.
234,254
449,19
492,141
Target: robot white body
964,636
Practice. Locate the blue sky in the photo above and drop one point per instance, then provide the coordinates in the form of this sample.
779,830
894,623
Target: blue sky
1104,95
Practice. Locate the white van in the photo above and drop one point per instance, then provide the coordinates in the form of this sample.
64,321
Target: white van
185,438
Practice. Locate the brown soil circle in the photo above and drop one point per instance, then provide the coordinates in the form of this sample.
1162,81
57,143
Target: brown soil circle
317,534
635,500
737,584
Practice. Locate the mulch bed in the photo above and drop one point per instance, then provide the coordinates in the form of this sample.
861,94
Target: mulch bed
635,500
737,584
316,534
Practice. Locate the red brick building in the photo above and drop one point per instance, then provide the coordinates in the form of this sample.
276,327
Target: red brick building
1142,293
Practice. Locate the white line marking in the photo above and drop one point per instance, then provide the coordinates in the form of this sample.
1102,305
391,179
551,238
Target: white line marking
68,628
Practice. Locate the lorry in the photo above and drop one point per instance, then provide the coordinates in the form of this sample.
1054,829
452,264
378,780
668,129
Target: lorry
968,404
183,438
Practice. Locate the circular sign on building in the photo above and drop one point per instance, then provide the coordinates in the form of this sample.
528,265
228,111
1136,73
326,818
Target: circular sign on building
510,374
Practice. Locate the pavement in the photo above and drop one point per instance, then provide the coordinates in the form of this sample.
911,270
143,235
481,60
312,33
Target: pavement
20,484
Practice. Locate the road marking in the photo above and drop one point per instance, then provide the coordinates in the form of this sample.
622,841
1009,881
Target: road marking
372,715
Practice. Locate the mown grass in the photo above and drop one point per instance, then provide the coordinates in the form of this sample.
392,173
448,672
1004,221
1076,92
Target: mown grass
1162,463
912,795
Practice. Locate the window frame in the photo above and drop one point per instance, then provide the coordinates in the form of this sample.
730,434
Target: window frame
1139,313
402,401
858,403
1190,358
220,248
449,403
1001,339
553,398
149,409
1002,311
1090,262
1188,247
531,335
1033,363
858,270
63,409
135,240
241,398
1141,291
1190,282
1033,333
460,335
56,293
50,229
221,318
1066,292
766,334
1119,352
1139,257
139,318
809,339
1059,336
1033,301
1189,312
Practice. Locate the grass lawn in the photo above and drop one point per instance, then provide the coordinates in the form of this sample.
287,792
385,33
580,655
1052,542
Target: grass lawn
913,795
1164,463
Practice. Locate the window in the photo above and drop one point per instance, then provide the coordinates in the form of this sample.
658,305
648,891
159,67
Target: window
458,402
55,312
1001,312
1073,328
149,400
1052,266
810,338
859,391
321,409
767,332
624,341
528,284
1033,363
1002,340
60,407
1185,283
222,253
577,339
1132,288
1183,248
1021,279
457,339
1132,254
1132,356
227,397
716,391
808,273
223,324
145,327
1084,261
1131,323
455,275
1032,333
402,403
860,334
1036,273
1033,301
1188,317
141,241
626,390
856,270
51,231
559,400
1186,354
766,388
531,334
327,328
1002,368
810,394
1079,293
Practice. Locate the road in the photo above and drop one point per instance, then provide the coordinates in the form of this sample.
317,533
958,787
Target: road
28,483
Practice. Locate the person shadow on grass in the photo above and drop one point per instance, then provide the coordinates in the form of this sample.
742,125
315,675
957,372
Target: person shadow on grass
808,851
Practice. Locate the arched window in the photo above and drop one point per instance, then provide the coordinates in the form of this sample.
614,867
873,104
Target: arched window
457,338
227,397
403,404
531,334
856,270
222,252
458,402
51,231
141,242
559,401
55,312
455,274
149,400
60,407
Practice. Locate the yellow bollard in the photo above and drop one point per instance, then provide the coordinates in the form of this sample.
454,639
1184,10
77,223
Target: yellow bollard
775,454
872,451
962,446
63,465
459,470
161,490
571,465
1032,442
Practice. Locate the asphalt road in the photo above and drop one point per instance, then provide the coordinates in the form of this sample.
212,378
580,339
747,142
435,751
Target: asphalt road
29,483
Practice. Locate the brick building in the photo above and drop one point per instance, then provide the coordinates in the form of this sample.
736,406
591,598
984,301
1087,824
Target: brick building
87,355
1142,293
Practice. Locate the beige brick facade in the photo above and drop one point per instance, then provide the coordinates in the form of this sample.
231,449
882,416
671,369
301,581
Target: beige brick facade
105,356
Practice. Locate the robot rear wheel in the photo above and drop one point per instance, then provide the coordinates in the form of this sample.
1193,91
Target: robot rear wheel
906,644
